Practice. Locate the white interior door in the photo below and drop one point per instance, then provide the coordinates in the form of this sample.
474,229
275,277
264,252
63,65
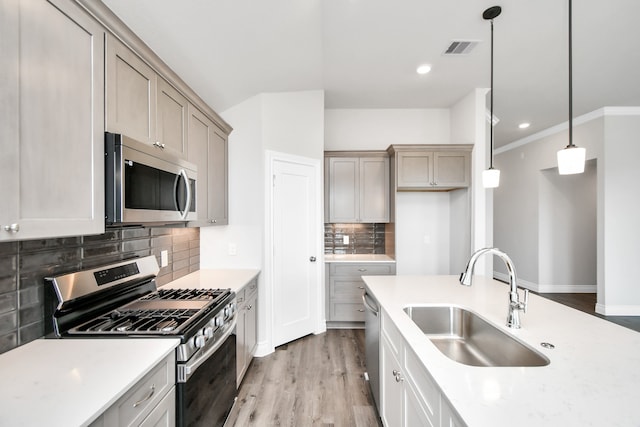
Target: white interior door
295,241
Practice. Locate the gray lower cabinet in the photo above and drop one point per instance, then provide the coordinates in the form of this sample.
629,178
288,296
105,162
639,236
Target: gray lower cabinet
140,103
208,150
247,327
344,289
357,188
52,127
150,402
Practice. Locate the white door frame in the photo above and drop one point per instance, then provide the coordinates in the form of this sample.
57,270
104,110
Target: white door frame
267,346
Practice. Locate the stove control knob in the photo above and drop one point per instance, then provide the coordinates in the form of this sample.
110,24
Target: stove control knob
199,341
219,321
208,332
227,312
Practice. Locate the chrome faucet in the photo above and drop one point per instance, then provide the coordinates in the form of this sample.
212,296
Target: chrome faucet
515,306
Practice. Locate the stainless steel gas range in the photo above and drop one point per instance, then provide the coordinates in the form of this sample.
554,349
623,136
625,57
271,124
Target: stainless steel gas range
121,300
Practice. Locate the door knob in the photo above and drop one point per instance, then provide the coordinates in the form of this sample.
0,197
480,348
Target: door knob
312,259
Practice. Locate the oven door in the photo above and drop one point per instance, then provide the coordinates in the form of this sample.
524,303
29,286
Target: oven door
206,388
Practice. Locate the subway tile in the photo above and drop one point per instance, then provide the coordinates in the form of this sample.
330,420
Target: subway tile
32,295
94,262
108,236
8,342
160,231
179,247
135,233
164,279
194,267
8,283
37,260
31,314
8,248
8,302
29,279
180,255
90,251
180,264
44,244
180,273
164,242
8,322
135,245
30,332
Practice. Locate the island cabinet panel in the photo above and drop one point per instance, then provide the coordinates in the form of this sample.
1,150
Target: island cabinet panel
431,168
356,188
409,395
344,289
208,150
52,107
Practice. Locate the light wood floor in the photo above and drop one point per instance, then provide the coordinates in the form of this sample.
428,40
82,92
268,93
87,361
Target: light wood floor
317,380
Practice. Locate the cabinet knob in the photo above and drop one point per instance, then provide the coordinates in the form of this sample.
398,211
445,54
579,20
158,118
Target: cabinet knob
312,259
362,269
158,144
213,221
13,228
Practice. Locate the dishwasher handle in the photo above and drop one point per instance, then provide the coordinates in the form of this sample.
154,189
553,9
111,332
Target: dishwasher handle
368,305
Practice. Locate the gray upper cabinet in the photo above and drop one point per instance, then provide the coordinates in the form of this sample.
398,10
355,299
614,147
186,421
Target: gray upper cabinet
208,149
141,104
432,168
171,118
131,93
52,129
357,188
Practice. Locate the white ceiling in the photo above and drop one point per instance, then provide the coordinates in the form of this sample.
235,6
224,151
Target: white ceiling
363,53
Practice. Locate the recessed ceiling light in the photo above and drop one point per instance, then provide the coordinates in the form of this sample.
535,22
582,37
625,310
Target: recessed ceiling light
524,125
423,69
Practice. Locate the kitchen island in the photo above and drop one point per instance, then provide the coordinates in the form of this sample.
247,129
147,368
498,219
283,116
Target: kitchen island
592,378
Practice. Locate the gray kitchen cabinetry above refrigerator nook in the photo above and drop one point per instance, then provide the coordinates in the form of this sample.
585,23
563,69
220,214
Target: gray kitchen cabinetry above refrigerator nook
356,187
208,149
344,289
52,130
431,167
140,103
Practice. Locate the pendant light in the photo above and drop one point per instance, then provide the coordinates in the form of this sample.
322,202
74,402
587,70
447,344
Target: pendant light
571,158
491,176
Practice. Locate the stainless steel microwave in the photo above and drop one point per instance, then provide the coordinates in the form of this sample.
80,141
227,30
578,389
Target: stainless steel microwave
146,185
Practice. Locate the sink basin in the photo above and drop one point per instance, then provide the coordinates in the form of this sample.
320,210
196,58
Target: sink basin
465,337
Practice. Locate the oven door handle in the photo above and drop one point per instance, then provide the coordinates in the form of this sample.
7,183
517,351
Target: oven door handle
191,367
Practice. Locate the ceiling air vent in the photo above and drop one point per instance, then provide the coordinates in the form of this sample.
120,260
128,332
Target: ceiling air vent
461,47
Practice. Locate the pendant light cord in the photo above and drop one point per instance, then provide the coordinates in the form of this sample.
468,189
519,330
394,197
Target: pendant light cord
491,105
570,82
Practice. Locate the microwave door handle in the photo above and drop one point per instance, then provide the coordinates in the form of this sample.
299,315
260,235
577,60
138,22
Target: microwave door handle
188,188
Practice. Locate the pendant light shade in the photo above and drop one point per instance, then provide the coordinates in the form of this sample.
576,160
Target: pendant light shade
491,176
571,158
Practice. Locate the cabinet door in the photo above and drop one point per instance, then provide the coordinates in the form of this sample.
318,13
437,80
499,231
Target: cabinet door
390,386
452,169
241,342
52,128
218,178
251,326
164,414
208,151
344,185
131,93
414,413
374,189
171,118
414,170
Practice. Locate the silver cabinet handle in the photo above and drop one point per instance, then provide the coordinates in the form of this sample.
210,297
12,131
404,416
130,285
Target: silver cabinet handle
213,221
13,228
158,144
361,310
250,307
362,269
140,402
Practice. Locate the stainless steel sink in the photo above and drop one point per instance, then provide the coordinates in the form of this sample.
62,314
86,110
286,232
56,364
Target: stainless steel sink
465,337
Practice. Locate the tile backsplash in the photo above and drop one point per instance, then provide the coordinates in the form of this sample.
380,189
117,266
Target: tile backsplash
363,238
25,264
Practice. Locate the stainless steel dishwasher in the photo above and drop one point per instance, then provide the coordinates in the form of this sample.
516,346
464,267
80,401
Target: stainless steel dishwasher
372,344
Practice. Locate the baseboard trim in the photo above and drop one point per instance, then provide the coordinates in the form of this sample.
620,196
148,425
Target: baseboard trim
618,310
550,289
263,349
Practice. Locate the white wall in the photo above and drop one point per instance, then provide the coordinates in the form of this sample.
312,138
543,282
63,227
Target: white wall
287,122
376,129
610,135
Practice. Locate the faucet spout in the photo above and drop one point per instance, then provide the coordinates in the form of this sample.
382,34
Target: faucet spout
515,305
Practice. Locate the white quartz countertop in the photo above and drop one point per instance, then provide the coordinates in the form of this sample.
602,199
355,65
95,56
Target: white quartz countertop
70,382
593,378
235,279
358,258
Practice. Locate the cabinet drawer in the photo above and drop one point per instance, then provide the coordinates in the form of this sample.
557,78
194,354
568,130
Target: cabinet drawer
357,270
347,312
251,288
138,402
346,288
393,335
241,296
